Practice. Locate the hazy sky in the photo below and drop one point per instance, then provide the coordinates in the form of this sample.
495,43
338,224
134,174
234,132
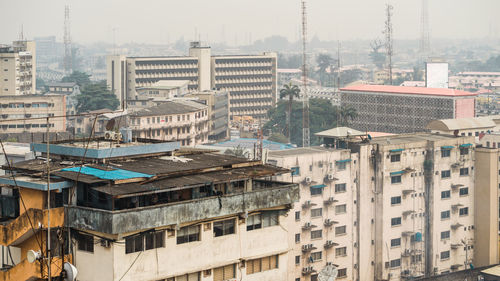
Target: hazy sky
161,21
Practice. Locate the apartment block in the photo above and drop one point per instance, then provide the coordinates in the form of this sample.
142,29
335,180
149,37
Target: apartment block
416,194
16,111
250,79
147,211
397,109
180,120
325,229
18,68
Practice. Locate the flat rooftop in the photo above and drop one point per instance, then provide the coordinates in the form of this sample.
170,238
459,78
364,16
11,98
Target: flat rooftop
410,138
407,90
302,150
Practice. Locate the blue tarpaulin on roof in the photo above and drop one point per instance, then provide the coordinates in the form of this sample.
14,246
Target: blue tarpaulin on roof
318,186
397,173
466,145
345,160
117,174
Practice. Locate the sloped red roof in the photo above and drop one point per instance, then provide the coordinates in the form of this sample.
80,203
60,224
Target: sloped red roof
408,90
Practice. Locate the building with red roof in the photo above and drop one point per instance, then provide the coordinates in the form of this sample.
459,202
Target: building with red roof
398,109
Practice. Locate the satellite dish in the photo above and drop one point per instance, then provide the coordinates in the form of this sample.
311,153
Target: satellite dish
32,256
329,273
71,272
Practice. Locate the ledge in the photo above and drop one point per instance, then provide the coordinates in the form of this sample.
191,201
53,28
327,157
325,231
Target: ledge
124,221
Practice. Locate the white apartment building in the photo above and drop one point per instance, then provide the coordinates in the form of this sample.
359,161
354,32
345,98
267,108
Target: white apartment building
250,79
416,199
325,217
179,120
18,68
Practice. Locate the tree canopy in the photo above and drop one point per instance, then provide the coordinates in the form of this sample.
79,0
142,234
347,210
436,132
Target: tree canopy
96,96
80,78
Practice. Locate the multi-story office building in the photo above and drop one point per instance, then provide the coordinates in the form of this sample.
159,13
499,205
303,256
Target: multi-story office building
70,90
250,80
147,211
18,68
180,120
416,205
325,218
396,109
26,113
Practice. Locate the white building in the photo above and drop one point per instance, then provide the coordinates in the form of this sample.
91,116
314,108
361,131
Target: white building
18,68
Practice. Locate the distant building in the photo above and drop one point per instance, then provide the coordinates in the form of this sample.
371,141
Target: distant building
474,126
285,75
69,89
396,109
18,68
250,79
46,48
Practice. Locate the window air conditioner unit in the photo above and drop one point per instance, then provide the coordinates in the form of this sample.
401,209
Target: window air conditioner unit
307,180
330,177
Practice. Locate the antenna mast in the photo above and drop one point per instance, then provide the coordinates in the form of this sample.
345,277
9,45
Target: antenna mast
68,61
425,41
306,141
388,39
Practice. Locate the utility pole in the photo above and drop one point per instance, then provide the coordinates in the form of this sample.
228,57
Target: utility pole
338,65
305,99
388,39
68,60
48,202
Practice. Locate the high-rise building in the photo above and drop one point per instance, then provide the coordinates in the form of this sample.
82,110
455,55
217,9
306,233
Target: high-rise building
18,68
250,79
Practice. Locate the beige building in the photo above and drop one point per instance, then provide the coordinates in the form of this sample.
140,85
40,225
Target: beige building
16,111
180,120
474,126
250,79
18,68
325,217
217,103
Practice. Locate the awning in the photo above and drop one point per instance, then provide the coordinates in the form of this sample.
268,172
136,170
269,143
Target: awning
396,150
466,145
318,186
447,147
345,160
397,173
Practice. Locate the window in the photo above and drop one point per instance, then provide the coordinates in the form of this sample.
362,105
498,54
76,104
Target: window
396,200
395,157
445,153
396,221
316,234
464,150
396,242
315,190
342,272
396,179
316,212
155,240
225,227
188,234
262,264
445,235
340,230
464,191
395,263
297,259
254,222
341,252
445,255
85,242
225,272
297,237
445,174
340,209
445,194
464,211
297,215
340,187
316,256
195,276
295,171
341,165
464,171
416,258
445,215
134,244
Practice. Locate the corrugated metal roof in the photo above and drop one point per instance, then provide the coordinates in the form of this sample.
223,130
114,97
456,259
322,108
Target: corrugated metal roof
493,271
340,132
463,123
407,90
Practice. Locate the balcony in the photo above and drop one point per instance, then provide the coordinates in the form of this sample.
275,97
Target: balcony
456,225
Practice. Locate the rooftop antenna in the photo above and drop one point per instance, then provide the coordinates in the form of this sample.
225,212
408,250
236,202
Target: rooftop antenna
68,61
21,33
388,38
425,45
305,99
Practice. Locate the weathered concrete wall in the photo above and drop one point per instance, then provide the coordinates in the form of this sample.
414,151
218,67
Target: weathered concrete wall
177,213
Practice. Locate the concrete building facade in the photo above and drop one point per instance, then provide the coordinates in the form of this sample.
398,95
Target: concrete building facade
18,68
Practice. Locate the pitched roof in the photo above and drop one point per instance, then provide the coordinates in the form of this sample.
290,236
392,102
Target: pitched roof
340,132
407,90
462,123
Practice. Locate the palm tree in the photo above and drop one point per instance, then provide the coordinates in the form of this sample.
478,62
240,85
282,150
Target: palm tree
347,113
289,91
324,62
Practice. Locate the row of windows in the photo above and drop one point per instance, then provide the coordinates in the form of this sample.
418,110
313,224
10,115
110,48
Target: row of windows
158,119
340,167
444,153
339,209
27,126
23,105
339,188
317,234
462,212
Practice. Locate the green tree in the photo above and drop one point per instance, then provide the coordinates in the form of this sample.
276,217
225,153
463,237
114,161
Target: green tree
290,91
80,78
278,137
322,117
347,114
325,63
96,96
